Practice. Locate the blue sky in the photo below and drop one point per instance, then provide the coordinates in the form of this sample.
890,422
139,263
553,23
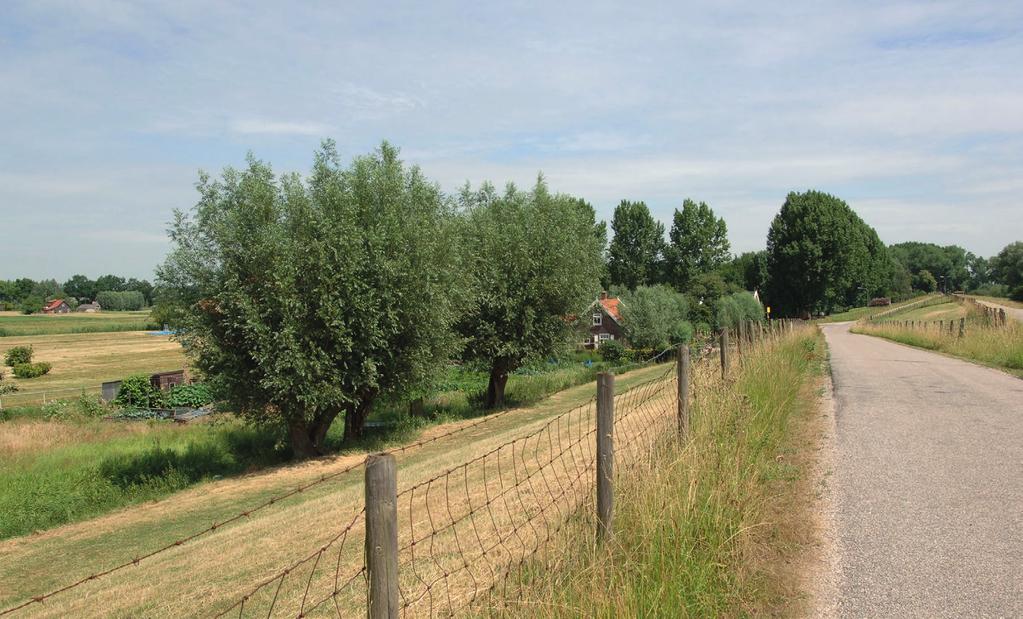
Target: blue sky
911,112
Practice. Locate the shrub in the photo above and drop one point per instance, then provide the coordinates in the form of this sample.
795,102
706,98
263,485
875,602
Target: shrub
879,302
738,307
18,355
138,391
1017,294
611,351
6,388
32,370
58,410
195,395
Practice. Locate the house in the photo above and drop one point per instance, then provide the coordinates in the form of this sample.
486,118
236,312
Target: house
57,306
605,321
89,307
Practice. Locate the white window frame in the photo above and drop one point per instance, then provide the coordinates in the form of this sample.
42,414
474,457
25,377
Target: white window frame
598,319
606,336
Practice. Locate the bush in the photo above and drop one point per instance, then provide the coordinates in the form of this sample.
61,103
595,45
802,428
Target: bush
137,391
612,351
1017,294
32,370
193,396
879,302
738,307
6,388
18,355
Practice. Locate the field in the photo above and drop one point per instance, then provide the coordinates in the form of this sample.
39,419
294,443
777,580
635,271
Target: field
81,361
861,312
17,324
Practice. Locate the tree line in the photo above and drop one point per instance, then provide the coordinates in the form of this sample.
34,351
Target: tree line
113,292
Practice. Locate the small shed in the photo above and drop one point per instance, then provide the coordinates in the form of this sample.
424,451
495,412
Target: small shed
89,307
166,380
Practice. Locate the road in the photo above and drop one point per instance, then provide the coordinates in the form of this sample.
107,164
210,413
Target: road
927,484
1011,312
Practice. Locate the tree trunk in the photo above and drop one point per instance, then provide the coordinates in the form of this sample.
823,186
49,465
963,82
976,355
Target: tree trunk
307,437
355,419
495,388
417,408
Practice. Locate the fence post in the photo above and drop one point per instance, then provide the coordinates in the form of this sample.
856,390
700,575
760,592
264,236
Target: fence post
740,335
605,453
682,369
382,536
724,353
962,327
1001,316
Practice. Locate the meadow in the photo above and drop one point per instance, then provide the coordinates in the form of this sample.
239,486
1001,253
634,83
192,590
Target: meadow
17,324
862,312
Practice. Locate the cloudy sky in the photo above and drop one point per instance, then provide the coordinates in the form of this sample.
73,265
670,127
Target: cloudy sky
911,112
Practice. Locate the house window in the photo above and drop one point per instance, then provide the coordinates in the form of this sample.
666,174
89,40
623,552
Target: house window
606,336
598,319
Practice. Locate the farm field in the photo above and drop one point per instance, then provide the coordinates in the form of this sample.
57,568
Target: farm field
17,324
205,576
81,361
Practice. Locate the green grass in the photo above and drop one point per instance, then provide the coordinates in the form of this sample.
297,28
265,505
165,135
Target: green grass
862,312
931,312
14,324
710,530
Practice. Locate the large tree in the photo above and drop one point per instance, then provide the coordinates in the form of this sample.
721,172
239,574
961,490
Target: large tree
1007,266
534,261
949,264
822,256
304,300
634,257
81,287
698,244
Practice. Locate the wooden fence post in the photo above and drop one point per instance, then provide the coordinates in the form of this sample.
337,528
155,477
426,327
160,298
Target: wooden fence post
1001,316
682,370
962,327
382,536
724,353
605,453
740,335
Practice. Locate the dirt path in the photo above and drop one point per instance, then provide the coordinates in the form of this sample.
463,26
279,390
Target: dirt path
928,483
1011,312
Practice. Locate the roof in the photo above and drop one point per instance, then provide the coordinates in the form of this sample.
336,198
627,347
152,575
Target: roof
54,304
611,307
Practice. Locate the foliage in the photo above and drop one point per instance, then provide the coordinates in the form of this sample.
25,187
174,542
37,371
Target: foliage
747,271
1007,266
119,301
17,355
6,388
612,351
703,296
137,391
636,248
532,259
738,307
31,305
822,256
698,244
32,370
655,317
194,395
924,281
948,265
1017,294
305,299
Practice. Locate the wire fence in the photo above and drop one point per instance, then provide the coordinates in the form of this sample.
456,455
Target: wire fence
977,315
472,534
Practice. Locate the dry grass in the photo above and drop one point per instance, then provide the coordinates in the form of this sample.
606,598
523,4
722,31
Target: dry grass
83,361
30,436
999,301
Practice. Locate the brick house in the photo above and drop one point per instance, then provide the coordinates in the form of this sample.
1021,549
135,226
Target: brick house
605,320
57,306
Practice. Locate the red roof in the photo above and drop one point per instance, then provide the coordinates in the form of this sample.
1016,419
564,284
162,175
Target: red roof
611,307
54,304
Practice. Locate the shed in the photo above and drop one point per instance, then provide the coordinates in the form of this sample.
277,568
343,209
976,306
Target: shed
166,380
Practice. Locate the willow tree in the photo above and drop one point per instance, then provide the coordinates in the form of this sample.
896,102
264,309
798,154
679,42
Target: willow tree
303,299
534,262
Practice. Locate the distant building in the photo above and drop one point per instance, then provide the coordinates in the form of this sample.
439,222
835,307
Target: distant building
89,307
57,306
605,319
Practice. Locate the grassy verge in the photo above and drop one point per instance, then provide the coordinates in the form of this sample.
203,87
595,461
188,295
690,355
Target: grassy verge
13,324
860,312
999,301
1000,347
713,529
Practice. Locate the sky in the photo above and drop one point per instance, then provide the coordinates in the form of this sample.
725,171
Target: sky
912,112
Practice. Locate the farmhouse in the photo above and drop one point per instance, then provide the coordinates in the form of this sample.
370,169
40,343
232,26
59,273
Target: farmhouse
57,306
605,321
89,307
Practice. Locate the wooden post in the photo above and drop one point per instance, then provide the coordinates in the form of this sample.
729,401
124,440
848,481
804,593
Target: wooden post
1001,317
724,353
605,453
962,327
740,335
382,536
682,370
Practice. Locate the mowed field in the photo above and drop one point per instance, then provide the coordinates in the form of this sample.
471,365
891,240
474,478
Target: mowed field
81,361
18,324
207,575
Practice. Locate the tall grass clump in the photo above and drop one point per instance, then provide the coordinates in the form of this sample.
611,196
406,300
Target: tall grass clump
698,529
1000,346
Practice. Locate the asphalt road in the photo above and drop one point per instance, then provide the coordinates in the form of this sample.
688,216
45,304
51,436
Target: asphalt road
927,484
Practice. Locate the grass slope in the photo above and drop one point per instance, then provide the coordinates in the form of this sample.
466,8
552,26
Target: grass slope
860,312
16,324
713,529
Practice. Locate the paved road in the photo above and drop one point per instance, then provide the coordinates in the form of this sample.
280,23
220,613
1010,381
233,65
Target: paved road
928,483
1011,312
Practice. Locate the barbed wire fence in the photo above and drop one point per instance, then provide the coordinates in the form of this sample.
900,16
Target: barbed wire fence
475,532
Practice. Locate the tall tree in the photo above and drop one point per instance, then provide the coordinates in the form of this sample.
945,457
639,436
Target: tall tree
698,244
1007,266
822,256
81,287
635,253
306,299
533,260
949,264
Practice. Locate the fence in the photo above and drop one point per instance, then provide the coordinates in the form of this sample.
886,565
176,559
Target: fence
978,315
471,535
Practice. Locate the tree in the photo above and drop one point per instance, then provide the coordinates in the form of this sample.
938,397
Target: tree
533,261
822,256
747,271
698,244
925,281
306,299
1007,266
81,287
654,317
949,265
738,307
635,253
140,286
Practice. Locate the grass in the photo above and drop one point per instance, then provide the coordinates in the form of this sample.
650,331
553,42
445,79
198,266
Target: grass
16,324
927,312
82,361
861,312
999,347
999,301
718,528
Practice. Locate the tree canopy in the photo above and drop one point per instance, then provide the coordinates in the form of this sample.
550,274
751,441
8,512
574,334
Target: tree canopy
533,259
1007,266
654,317
698,244
949,265
636,249
303,299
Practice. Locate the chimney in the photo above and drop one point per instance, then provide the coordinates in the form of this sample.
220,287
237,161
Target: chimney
603,295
